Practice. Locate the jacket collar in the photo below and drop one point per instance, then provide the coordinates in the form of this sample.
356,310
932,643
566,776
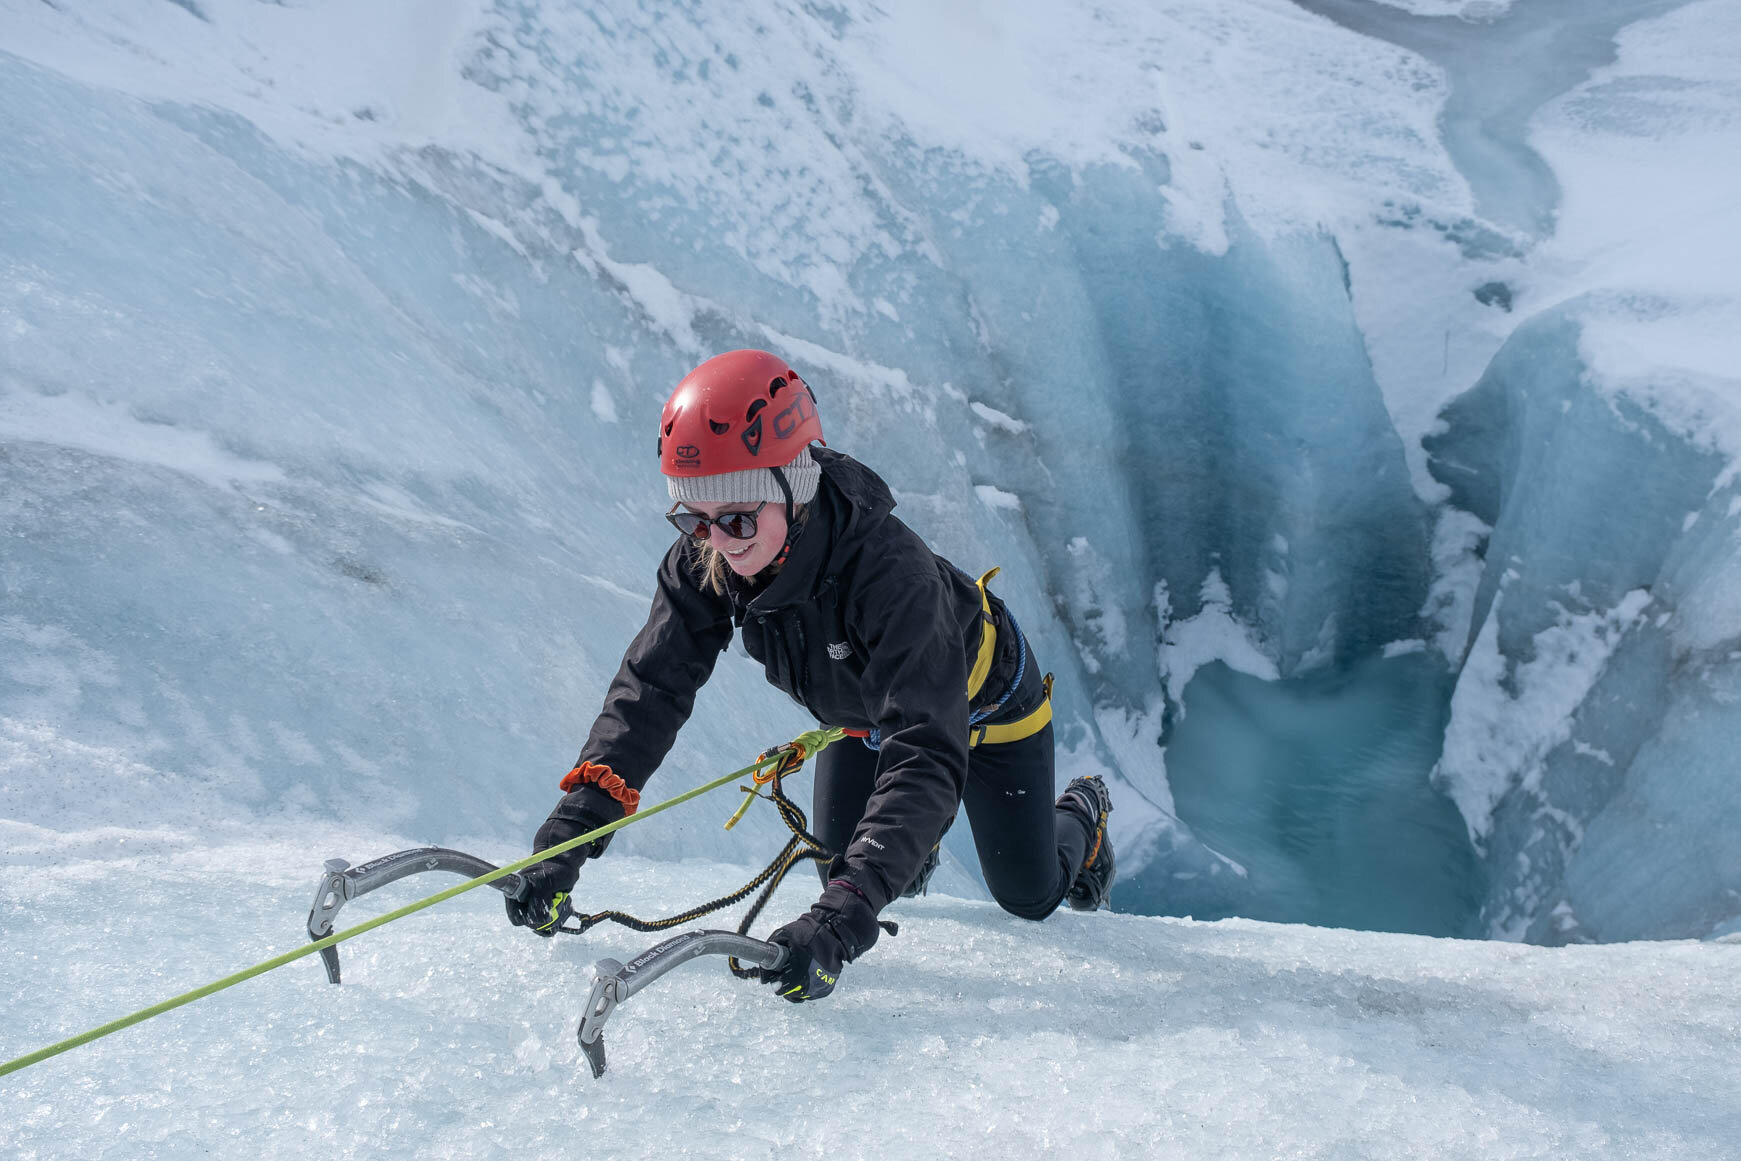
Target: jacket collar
851,501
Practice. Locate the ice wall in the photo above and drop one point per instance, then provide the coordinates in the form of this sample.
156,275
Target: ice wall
1592,731
286,450
320,394
1590,747
325,334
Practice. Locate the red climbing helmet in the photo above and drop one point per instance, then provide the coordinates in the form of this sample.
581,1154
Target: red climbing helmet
740,411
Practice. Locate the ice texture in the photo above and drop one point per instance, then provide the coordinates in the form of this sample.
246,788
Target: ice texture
1598,446
970,1033
1311,348
1346,390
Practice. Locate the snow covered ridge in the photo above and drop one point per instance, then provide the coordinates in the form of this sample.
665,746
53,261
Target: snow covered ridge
1248,338
1087,1036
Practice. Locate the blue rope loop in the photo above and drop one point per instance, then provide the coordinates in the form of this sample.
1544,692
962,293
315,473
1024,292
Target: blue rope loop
874,739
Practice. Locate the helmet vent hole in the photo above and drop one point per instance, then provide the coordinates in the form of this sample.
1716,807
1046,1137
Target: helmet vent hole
774,387
669,426
718,427
755,406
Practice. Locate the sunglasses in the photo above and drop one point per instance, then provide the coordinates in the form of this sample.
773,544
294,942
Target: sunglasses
736,525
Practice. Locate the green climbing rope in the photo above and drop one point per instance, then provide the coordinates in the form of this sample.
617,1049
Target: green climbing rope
813,741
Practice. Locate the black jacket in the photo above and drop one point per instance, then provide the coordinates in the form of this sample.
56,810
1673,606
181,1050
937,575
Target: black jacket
866,628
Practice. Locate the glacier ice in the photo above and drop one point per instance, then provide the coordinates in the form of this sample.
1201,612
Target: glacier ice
1500,72
1582,680
1088,1035
320,368
1353,420
1323,806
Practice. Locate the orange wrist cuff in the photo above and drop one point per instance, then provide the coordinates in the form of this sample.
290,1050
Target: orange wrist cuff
606,780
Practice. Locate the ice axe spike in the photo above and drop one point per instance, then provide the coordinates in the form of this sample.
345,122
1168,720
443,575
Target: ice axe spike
616,982
341,882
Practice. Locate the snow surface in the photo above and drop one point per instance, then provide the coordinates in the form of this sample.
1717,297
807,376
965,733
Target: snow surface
971,1034
1242,336
1257,342
1472,10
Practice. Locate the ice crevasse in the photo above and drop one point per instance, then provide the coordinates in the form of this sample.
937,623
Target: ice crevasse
1355,450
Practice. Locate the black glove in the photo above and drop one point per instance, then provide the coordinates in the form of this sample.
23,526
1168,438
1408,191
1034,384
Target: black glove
836,931
543,902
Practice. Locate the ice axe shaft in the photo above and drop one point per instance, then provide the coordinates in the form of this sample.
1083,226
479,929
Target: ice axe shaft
616,981
342,882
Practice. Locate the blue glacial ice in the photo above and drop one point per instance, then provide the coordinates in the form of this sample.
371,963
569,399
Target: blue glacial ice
1603,809
1293,402
1359,455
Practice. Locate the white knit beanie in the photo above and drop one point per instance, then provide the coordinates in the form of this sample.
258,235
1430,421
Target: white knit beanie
750,485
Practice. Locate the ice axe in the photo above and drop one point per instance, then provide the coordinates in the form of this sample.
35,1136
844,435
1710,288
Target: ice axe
616,981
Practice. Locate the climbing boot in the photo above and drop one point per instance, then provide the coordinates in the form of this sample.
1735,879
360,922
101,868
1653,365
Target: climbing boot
1088,798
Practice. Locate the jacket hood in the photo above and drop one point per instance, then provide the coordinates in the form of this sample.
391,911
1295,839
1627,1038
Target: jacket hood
861,486
849,505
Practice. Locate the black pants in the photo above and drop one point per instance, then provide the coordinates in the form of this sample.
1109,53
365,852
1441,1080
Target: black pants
1029,850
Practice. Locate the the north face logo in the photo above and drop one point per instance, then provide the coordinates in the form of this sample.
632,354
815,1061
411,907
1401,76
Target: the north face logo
840,652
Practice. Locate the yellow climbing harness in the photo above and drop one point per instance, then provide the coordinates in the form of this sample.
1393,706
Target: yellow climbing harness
1028,724
1025,726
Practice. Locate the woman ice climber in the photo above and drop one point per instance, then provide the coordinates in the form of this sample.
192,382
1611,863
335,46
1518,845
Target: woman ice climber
795,546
